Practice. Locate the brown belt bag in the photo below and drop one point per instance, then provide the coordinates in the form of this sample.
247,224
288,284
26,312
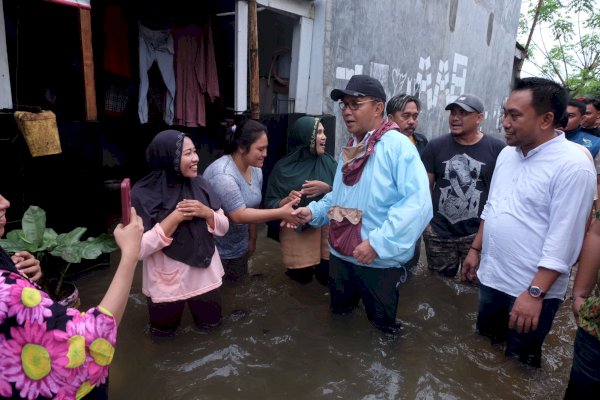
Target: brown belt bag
344,229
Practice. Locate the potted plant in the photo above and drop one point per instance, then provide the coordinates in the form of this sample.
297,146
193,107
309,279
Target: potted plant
43,242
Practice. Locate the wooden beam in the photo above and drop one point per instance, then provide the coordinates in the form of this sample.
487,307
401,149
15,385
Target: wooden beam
87,55
253,53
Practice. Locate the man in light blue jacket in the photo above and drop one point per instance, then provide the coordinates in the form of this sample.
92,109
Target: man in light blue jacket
379,205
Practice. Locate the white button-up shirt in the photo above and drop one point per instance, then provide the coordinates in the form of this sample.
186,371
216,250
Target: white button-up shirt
535,216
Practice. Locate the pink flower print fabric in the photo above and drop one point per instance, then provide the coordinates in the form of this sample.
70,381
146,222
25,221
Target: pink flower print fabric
28,303
47,349
35,360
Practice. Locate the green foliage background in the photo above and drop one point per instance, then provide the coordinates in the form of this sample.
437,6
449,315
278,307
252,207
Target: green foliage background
571,55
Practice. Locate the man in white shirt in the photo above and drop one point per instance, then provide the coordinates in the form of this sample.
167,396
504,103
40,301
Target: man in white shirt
531,232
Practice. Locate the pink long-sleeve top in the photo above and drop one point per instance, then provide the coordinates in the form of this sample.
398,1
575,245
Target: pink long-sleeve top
167,280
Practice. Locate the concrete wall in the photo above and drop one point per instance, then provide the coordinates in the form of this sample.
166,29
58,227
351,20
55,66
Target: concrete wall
5,94
436,48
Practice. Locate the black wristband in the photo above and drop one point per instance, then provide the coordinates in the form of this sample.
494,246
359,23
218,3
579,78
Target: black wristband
476,249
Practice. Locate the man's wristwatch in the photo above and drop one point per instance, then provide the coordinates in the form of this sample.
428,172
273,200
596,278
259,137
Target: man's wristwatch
536,291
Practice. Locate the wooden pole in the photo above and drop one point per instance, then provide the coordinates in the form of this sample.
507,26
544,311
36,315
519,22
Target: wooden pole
87,55
253,50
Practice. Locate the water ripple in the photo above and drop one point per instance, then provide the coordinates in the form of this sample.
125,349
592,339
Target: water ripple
430,312
232,353
387,382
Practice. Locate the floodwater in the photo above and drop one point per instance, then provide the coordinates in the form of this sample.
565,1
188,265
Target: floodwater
278,340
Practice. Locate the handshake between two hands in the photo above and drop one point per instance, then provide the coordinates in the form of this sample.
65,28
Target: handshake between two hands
294,216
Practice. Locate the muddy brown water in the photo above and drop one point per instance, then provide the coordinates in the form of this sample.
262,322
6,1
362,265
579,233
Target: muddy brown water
278,340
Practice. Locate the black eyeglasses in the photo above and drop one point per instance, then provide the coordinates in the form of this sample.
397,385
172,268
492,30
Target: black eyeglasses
353,105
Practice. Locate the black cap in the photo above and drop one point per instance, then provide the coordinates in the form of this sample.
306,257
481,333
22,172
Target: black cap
468,102
360,85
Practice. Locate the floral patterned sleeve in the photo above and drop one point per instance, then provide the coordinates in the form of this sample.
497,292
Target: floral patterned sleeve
589,316
47,349
589,313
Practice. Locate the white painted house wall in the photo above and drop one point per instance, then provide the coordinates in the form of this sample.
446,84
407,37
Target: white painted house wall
5,91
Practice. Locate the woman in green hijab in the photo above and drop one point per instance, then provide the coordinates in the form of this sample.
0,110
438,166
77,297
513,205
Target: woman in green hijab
306,172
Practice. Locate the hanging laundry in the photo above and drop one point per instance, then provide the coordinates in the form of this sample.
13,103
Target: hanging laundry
116,95
156,46
116,42
212,79
196,74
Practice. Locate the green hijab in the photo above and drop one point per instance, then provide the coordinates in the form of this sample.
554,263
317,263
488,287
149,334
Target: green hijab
300,164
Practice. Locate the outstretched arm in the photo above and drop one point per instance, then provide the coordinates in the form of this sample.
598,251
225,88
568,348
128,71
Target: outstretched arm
587,271
303,214
246,215
129,240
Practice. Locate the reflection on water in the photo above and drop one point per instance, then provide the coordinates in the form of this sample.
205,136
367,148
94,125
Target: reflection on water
279,341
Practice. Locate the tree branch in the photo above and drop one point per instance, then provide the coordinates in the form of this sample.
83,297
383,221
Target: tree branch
536,16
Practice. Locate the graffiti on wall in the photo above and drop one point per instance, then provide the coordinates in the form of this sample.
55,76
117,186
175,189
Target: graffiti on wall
346,73
435,85
430,84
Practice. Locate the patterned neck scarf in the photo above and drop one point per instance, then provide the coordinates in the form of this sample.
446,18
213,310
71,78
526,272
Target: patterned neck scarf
355,157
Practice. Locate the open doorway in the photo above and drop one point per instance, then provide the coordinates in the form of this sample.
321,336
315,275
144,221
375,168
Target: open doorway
275,34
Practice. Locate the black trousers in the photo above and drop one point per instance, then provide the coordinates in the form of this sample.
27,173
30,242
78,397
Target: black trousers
166,317
377,287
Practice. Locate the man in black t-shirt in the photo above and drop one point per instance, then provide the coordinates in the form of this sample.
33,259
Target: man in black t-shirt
460,166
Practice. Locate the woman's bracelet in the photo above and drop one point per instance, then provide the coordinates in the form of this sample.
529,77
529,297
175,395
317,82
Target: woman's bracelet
476,249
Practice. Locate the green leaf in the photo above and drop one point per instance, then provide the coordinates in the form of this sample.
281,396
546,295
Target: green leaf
13,243
49,241
107,243
72,237
42,241
34,225
14,235
90,250
571,53
71,254
23,237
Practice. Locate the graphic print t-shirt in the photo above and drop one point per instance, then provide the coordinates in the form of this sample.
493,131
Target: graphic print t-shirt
462,178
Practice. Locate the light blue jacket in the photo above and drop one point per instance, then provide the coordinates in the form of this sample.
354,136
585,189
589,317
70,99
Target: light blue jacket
393,195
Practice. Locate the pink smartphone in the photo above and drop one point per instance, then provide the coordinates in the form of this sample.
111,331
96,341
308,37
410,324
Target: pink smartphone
126,201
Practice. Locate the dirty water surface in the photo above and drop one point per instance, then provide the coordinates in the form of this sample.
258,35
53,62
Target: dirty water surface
279,340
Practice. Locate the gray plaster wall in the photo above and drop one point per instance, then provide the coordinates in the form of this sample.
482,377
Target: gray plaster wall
417,46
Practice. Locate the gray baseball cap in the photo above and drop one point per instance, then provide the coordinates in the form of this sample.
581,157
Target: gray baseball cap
468,102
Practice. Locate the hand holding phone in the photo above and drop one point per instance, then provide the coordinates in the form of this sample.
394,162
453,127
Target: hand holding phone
126,201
